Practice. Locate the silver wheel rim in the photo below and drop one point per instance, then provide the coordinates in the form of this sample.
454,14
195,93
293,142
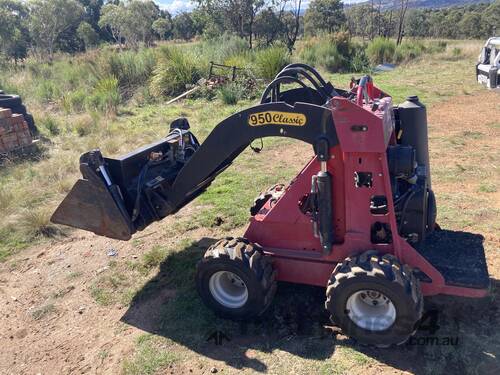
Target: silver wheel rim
228,289
371,310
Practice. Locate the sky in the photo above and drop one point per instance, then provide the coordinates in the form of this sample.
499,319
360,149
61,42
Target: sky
176,6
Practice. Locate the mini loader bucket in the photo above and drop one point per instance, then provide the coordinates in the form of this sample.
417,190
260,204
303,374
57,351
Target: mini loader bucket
117,197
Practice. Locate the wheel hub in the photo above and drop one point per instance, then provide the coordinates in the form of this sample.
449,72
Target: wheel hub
371,310
228,289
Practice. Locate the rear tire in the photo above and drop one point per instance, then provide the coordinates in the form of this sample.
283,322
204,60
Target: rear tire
374,299
235,279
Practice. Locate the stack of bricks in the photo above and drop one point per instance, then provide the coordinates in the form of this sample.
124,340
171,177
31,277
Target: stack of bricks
14,131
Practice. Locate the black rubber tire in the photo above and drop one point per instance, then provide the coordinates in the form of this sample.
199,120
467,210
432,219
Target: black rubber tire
382,273
31,124
246,260
9,101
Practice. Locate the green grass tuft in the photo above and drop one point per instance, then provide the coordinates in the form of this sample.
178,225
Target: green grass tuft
175,70
43,311
152,354
270,61
231,93
381,50
154,257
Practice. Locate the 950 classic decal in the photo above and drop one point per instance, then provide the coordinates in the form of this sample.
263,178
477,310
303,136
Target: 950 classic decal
277,118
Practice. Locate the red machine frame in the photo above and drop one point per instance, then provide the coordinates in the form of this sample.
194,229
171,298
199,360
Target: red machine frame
286,233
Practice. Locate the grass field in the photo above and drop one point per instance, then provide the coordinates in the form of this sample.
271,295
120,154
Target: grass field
71,308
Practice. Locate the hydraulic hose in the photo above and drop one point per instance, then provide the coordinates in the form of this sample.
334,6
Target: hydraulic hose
279,80
306,75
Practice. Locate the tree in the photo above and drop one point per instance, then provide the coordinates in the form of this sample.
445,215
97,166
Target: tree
183,26
359,20
471,26
402,15
87,34
92,12
235,16
14,34
417,23
324,15
132,21
140,16
49,19
291,22
163,27
114,18
269,25
491,19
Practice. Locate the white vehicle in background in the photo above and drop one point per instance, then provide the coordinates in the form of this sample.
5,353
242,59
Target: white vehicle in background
488,66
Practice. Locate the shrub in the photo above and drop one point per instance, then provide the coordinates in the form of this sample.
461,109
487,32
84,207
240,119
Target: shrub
85,124
50,124
332,59
359,61
335,53
242,60
381,50
222,48
131,69
436,46
6,85
175,70
231,93
271,60
143,96
6,198
408,51
456,52
105,96
47,91
36,223
74,101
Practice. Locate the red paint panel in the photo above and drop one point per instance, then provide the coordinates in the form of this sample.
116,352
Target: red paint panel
287,234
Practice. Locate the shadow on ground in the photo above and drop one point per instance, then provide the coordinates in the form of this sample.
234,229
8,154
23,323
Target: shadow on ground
465,337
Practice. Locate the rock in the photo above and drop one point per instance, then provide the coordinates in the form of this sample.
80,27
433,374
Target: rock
213,370
21,334
81,309
112,252
101,270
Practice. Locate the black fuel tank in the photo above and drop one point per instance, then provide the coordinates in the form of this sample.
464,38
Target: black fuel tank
412,117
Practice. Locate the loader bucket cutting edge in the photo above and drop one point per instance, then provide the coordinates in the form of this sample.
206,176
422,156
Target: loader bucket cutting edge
90,206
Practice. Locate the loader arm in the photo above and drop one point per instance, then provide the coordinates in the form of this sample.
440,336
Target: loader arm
230,137
117,197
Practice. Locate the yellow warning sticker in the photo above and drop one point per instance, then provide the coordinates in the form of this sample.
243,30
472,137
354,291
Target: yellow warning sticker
277,118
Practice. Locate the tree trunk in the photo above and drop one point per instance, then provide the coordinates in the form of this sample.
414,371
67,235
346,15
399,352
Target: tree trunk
293,39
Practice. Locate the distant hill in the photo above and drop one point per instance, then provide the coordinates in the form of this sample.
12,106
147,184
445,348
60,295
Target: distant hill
388,4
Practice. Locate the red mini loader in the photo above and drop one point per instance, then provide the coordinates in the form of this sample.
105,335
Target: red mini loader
354,220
